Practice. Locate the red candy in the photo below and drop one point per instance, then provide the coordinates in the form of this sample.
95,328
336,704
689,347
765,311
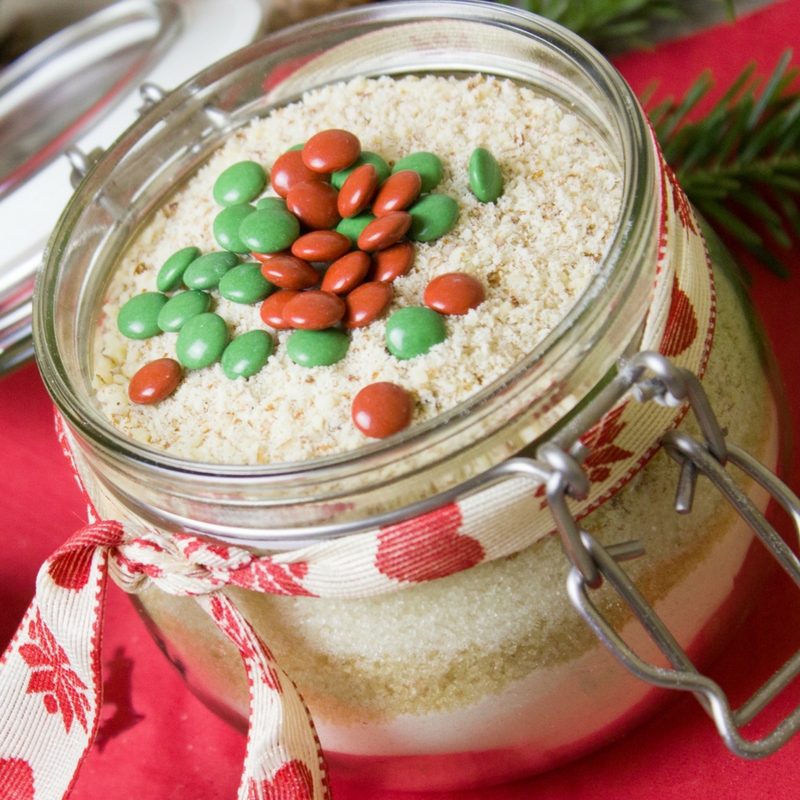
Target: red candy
321,246
454,293
357,190
290,272
366,303
264,257
155,381
392,262
289,170
331,150
314,203
272,309
346,272
382,409
384,231
398,191
313,311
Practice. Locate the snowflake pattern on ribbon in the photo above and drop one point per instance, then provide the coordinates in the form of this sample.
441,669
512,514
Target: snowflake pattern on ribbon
51,675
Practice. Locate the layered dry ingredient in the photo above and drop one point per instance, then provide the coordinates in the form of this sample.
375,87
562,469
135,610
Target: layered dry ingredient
447,644
529,251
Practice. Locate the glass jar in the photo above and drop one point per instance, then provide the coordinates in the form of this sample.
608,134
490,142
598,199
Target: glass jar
489,674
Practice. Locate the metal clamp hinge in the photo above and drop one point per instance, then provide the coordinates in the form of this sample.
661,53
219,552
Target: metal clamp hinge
593,563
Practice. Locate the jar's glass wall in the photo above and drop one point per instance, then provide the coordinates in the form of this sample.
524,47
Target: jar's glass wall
488,674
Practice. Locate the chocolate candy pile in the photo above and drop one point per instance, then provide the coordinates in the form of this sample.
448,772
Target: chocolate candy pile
327,249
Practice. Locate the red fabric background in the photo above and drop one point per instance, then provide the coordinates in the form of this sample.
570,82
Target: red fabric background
158,743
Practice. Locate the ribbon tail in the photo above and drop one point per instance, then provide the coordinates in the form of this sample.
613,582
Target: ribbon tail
50,675
284,760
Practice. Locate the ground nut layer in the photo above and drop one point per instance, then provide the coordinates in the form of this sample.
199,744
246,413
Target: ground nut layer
534,250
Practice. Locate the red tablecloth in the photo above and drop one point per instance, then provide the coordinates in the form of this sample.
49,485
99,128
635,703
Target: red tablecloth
158,743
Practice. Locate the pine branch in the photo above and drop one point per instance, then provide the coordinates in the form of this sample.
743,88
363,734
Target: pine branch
740,163
611,25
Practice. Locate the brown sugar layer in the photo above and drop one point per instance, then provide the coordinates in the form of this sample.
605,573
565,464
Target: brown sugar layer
534,250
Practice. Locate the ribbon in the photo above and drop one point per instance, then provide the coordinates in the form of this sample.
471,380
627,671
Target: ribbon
50,675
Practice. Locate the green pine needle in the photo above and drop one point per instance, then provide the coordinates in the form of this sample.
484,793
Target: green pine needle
611,25
740,163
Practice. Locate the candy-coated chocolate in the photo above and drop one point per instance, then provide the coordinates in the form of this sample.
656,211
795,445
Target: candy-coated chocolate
321,246
317,348
269,230
384,231
382,409
138,318
413,330
314,310
392,262
202,340
289,169
357,191
290,272
366,303
226,227
314,203
245,284
271,202
182,307
155,381
331,150
170,276
428,165
240,183
346,272
247,354
206,272
485,178
272,309
454,293
264,257
353,226
397,192
432,216
366,157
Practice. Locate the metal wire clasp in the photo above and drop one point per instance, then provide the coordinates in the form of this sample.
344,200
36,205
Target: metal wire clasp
654,377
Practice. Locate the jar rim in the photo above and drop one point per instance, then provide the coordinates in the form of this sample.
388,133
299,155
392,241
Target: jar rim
620,276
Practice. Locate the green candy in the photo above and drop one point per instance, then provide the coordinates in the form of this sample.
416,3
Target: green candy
271,202
138,318
317,348
240,183
366,157
269,230
485,178
181,308
296,147
432,216
428,165
413,330
201,341
245,284
353,226
205,272
247,354
170,275
226,227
